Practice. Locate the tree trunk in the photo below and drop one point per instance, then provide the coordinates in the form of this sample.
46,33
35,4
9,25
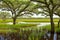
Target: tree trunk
52,27
14,21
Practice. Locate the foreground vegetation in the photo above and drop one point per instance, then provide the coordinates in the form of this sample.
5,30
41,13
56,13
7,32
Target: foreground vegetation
25,31
28,33
5,28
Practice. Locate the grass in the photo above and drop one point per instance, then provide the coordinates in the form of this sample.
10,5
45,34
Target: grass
36,20
48,27
32,34
30,20
27,29
7,31
17,25
4,28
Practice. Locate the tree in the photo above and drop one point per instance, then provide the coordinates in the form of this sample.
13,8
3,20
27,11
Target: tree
49,6
16,7
4,15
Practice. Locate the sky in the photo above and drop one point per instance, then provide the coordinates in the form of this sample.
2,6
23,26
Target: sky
37,16
40,16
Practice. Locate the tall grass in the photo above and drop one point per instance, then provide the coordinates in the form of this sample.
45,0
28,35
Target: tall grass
28,33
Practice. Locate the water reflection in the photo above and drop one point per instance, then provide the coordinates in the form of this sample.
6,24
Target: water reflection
39,24
43,24
1,37
48,35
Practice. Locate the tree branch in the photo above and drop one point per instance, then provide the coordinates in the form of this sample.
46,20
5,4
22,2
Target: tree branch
23,9
17,8
38,1
8,6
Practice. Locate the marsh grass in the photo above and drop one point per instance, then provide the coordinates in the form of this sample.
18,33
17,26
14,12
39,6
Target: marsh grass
30,20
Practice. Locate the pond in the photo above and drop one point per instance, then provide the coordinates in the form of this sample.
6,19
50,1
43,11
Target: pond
48,35
43,24
1,37
39,24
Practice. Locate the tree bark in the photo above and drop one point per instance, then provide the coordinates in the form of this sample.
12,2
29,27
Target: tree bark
52,27
14,18
14,21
